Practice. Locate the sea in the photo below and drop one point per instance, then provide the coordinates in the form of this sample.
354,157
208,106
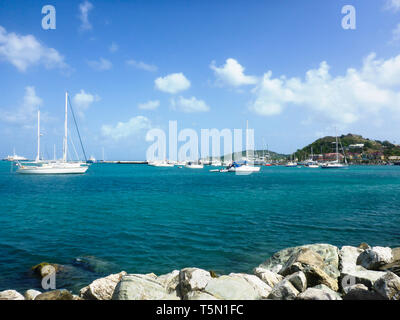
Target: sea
144,219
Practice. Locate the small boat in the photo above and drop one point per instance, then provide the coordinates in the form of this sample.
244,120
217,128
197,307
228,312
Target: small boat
91,160
216,163
242,168
194,165
291,164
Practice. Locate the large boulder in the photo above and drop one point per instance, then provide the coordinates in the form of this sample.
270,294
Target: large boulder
262,289
59,294
11,295
31,294
269,277
318,293
141,287
300,259
298,280
328,253
316,276
231,288
360,292
284,290
170,281
45,268
375,257
101,289
351,273
193,279
200,295
388,286
395,265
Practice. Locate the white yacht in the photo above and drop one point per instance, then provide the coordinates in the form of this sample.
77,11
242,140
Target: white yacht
194,165
161,163
336,164
54,167
15,157
216,163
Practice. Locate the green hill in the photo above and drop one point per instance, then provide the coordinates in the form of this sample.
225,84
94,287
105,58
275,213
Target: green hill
371,149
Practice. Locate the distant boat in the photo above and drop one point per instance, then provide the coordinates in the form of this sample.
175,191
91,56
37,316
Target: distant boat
54,167
336,164
311,163
15,157
216,163
160,163
194,165
91,160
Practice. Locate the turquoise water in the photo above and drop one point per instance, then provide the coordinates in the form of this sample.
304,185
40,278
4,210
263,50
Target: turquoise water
145,219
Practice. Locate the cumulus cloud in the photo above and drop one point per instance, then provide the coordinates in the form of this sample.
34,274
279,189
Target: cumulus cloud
100,65
24,51
232,74
149,105
189,105
393,5
126,129
141,65
26,114
172,83
344,99
84,9
83,100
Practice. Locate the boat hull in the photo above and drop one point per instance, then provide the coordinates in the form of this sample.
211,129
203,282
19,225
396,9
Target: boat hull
49,171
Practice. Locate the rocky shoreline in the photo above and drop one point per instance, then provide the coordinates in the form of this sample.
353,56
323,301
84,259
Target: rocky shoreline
309,272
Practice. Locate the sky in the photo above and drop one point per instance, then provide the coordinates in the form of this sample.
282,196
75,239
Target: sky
288,67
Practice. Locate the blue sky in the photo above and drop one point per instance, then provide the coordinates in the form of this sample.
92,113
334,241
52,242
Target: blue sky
287,66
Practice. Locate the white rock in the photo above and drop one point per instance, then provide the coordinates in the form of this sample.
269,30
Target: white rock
141,287
375,257
231,288
262,289
31,294
388,286
170,280
317,294
269,277
192,279
103,288
284,290
348,258
199,295
11,295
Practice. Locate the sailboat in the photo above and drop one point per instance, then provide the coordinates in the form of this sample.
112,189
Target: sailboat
54,167
291,163
336,164
244,168
311,163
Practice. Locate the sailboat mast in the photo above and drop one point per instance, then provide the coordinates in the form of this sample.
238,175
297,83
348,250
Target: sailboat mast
38,138
247,140
337,147
66,129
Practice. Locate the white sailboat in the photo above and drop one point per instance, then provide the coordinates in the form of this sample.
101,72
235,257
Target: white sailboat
311,163
244,168
194,165
336,164
54,167
160,163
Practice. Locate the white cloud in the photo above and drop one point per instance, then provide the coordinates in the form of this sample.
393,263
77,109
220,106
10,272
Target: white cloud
25,51
392,5
149,105
396,33
232,74
83,100
100,65
26,114
126,129
189,105
172,83
343,99
141,65
84,9
113,47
